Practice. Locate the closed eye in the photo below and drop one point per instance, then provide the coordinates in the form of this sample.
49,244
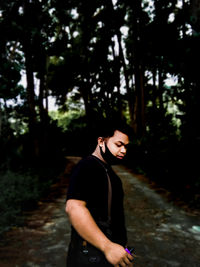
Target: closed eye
120,144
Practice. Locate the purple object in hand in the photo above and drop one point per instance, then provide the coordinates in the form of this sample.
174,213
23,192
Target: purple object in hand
128,251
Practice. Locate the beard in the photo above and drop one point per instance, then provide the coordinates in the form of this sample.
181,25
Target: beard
109,157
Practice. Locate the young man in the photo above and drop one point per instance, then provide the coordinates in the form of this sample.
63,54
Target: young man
95,206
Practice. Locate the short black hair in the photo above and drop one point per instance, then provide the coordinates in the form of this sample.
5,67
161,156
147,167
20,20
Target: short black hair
107,128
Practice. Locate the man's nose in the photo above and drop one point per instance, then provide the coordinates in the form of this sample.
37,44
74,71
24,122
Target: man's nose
123,150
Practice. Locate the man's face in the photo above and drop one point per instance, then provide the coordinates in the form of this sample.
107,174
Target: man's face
117,144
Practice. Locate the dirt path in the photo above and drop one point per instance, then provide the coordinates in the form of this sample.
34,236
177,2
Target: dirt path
162,234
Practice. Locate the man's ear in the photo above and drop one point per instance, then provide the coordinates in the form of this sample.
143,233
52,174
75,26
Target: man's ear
100,141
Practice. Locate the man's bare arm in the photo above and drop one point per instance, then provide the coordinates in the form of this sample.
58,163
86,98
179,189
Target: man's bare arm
83,222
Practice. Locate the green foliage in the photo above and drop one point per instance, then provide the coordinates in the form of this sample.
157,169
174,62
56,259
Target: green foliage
70,112
19,192
66,122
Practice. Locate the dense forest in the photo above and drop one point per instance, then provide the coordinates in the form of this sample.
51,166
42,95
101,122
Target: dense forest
133,60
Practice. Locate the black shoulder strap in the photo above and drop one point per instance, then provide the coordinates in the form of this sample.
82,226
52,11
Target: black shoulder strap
109,196
109,189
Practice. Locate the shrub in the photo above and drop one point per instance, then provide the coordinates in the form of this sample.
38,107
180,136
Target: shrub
19,192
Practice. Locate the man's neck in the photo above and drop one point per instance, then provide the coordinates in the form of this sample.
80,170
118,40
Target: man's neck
97,154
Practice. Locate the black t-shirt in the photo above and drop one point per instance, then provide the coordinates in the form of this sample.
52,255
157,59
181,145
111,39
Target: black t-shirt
89,183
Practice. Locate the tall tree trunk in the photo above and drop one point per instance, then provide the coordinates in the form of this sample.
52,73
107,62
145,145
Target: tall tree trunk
128,89
139,107
28,54
43,91
46,100
160,88
41,96
139,114
42,112
154,91
85,95
31,104
117,66
46,93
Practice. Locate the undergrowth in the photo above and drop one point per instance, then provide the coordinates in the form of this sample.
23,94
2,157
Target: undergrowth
19,192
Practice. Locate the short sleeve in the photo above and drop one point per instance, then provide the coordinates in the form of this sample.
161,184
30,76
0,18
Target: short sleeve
81,181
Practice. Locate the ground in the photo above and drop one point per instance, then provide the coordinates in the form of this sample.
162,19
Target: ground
162,233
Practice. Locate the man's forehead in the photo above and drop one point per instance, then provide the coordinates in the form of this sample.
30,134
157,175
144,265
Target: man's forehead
121,137
118,132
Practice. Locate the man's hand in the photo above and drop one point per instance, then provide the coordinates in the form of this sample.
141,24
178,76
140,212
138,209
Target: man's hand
117,255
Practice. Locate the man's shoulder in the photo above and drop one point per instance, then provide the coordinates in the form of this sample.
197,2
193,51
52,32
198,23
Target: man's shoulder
87,162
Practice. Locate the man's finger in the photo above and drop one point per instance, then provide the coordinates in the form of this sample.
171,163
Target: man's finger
128,259
122,263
